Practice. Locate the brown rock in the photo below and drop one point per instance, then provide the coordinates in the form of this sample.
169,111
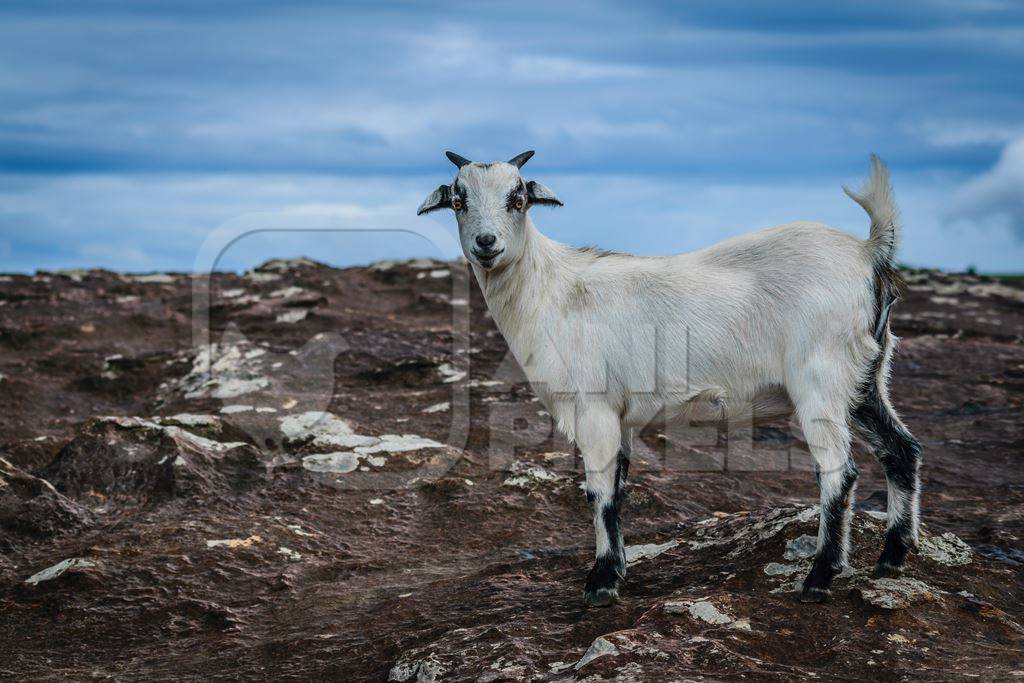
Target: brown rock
464,562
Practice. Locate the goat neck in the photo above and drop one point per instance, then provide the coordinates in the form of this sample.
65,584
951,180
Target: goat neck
522,293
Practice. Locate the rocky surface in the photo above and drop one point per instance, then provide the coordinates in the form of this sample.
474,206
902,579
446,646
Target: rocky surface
350,481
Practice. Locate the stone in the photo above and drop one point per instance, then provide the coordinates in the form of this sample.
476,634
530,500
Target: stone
801,548
601,647
647,551
896,594
51,573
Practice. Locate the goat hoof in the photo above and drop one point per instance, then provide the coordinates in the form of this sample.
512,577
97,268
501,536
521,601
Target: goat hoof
601,597
602,586
884,570
814,595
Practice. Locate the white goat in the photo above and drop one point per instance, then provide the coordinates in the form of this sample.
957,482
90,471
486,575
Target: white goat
789,318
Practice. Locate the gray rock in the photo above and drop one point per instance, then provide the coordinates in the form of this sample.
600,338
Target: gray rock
647,551
334,463
947,549
601,647
894,594
707,612
779,569
426,670
801,548
51,573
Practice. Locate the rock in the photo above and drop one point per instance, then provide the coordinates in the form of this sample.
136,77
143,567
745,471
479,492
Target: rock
946,549
190,420
284,265
153,278
413,264
418,671
32,507
740,536
801,548
262,277
234,542
289,554
777,569
325,430
894,594
59,569
334,463
647,551
528,476
1011,555
148,460
395,443
321,427
702,610
286,292
450,373
601,647
226,370
292,315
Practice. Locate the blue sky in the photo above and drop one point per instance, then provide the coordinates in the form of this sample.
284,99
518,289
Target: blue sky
131,132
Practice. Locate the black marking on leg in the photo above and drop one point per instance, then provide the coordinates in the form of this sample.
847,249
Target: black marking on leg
609,569
898,542
829,560
895,447
610,517
611,512
900,456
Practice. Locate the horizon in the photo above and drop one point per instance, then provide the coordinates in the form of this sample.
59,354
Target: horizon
371,264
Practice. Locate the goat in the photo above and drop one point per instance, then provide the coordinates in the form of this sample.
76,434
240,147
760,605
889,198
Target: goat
787,319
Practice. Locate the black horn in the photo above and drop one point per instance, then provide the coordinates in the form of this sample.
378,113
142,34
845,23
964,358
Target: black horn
521,159
456,159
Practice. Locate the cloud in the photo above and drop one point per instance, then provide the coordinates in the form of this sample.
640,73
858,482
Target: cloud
146,125
353,89
997,196
952,133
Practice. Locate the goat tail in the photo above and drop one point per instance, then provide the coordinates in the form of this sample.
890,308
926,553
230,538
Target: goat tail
876,198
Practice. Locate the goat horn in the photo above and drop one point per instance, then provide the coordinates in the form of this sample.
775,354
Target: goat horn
521,159
456,159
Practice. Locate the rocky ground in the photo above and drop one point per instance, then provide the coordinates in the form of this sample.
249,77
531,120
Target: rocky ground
350,481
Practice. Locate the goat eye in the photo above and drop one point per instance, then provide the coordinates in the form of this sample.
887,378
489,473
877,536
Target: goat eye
457,204
519,203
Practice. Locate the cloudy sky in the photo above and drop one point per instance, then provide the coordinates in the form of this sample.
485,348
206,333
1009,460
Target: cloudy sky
148,135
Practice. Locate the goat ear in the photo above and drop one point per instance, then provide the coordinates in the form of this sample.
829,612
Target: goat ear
441,198
538,194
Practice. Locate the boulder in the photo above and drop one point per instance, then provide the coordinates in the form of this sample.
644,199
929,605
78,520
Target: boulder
32,507
112,458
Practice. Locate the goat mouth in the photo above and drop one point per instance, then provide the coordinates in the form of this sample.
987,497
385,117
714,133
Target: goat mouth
487,260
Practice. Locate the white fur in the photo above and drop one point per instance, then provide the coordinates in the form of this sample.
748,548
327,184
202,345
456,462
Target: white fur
788,308
776,319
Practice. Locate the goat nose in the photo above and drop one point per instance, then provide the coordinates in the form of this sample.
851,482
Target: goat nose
486,240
